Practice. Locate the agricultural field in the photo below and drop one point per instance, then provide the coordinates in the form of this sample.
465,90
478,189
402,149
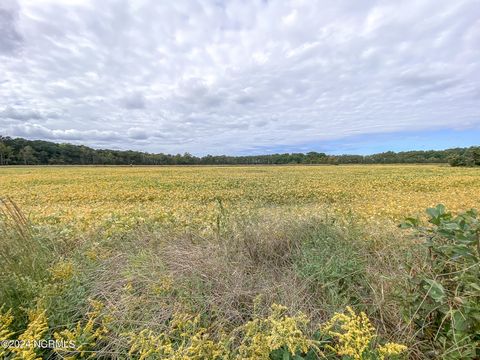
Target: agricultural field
253,262
190,196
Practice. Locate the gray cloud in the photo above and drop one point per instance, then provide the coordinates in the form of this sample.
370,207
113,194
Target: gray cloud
10,38
232,76
134,100
138,133
39,131
15,114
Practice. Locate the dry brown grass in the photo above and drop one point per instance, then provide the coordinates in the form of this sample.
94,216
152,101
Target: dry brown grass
220,275
13,219
241,269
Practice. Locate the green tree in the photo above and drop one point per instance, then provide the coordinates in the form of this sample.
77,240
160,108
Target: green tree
476,156
5,153
456,160
27,153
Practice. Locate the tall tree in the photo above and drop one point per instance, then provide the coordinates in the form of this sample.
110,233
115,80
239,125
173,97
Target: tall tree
476,156
5,153
27,153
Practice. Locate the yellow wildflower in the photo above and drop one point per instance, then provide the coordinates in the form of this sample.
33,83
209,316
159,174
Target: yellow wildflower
36,329
262,336
5,333
85,336
183,339
390,349
353,333
164,285
62,270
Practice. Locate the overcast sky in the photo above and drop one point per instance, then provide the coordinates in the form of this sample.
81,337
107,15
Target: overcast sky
241,77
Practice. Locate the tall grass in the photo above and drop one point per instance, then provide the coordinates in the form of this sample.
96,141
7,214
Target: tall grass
148,275
24,259
316,266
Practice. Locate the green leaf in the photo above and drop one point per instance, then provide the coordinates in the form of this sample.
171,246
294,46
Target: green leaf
435,290
432,212
461,250
460,323
410,222
474,286
437,213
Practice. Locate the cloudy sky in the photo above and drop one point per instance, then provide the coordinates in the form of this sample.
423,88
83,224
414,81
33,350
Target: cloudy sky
242,77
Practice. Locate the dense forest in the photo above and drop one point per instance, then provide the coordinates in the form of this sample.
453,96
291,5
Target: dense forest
18,151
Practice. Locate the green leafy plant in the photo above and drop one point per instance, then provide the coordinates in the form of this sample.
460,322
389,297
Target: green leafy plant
445,297
333,262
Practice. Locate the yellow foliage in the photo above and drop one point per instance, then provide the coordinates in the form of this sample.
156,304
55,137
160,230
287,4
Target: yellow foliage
146,343
36,329
262,336
183,339
62,271
5,333
5,321
85,336
391,349
355,335
120,198
163,285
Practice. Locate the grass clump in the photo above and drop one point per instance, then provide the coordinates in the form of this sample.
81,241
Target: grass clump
24,260
333,261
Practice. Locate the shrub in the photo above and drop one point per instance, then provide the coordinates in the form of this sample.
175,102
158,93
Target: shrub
443,301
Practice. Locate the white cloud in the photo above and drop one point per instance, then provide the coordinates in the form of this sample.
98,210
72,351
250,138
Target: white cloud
232,76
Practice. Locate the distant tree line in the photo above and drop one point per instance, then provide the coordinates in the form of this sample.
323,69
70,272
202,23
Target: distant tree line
18,151
466,157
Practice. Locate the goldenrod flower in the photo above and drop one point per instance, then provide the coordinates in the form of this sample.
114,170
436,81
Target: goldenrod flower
390,349
36,329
